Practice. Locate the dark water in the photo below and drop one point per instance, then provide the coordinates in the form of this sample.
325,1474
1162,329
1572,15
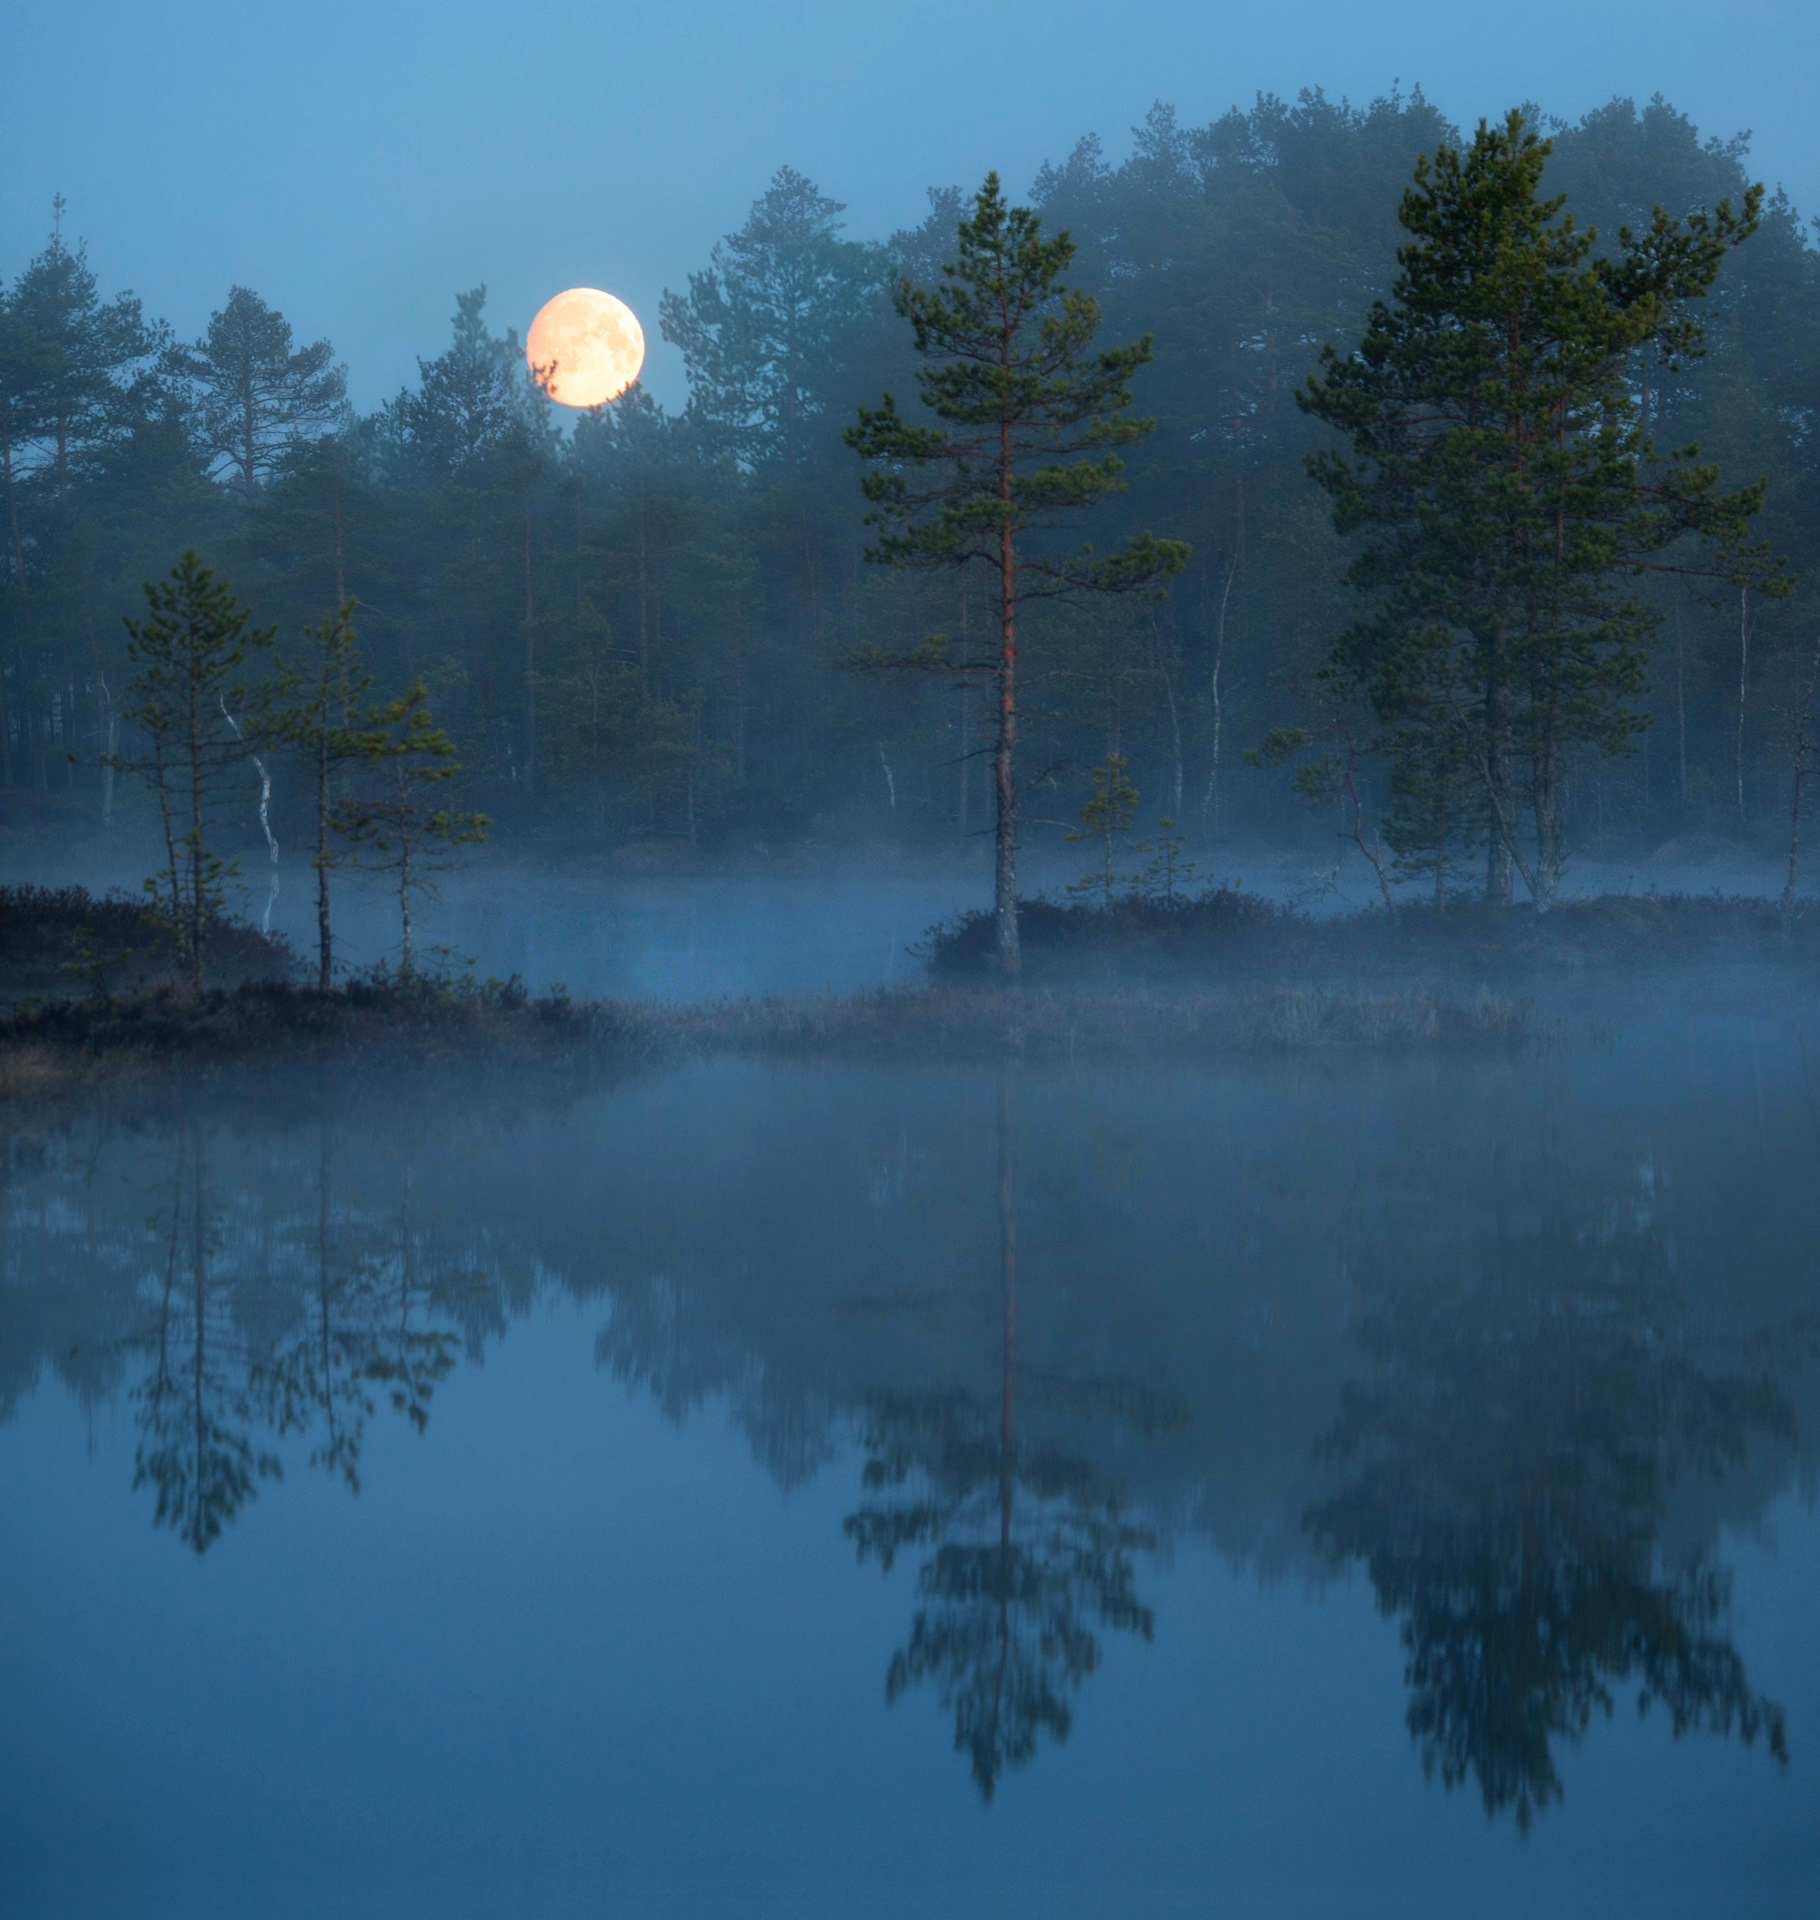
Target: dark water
759,1490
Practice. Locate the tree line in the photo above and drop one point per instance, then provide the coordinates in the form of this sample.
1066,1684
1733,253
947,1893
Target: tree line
646,628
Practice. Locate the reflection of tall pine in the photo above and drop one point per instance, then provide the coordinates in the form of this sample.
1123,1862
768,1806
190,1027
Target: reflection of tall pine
1026,420
1031,1551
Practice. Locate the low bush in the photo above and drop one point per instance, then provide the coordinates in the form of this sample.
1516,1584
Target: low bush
65,940
1232,933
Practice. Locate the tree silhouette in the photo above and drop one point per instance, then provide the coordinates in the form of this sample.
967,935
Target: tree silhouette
258,396
1028,414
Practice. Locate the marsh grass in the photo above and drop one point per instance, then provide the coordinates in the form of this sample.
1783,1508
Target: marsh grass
386,1027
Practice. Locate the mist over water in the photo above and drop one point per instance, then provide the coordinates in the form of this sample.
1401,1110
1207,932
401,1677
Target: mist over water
924,1491
805,921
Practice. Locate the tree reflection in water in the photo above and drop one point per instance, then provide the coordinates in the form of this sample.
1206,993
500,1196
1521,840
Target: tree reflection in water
1541,1383
269,1328
1033,1555
196,1411
1550,1350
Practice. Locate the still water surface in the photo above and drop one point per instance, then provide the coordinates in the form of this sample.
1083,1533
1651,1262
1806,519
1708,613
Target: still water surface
833,1491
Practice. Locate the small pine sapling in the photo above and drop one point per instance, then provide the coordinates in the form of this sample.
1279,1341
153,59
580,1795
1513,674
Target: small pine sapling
1167,869
1107,815
393,826
313,710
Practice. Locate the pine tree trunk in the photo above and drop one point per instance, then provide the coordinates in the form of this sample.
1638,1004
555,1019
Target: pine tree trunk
1175,734
1499,868
12,503
1005,872
966,784
1743,680
110,732
341,585
530,669
1551,852
1210,807
195,744
161,780
322,863
966,753
644,635
1007,1230
404,902
1681,703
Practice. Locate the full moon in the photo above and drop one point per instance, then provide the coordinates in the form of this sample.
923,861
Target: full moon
585,347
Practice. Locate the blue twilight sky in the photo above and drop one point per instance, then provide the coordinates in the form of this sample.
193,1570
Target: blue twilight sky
358,161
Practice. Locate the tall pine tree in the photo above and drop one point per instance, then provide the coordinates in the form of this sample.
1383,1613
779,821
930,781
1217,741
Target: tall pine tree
1507,490
1025,420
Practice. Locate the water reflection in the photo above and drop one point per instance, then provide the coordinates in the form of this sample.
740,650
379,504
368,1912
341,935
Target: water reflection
1542,1380
1032,1552
197,1404
1519,1342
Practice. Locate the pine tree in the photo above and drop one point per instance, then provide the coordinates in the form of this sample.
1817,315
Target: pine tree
189,657
75,370
316,709
468,404
1106,817
1026,418
762,330
1169,867
393,824
257,396
1504,482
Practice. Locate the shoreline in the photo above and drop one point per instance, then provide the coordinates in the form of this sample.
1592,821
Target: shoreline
1222,976
169,1031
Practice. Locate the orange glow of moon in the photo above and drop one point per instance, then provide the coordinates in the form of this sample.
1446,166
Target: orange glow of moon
585,347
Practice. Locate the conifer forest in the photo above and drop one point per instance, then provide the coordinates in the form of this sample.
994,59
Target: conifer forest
661,628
